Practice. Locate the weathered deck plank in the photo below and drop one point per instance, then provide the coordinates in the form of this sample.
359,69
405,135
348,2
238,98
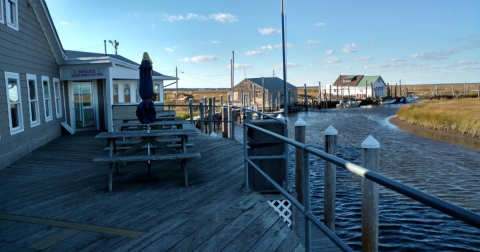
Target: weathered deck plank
59,181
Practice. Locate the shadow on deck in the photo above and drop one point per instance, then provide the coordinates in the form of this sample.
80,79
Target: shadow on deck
66,193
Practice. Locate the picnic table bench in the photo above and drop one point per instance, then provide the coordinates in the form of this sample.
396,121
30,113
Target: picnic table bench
148,137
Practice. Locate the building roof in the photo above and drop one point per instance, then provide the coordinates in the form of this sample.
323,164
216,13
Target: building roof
79,54
369,80
271,83
339,82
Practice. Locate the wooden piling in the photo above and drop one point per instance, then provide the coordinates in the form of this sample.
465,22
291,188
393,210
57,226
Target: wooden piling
221,99
214,111
337,93
330,96
330,176
395,90
205,106
370,160
225,121
319,93
371,87
190,103
201,110
210,116
300,128
263,95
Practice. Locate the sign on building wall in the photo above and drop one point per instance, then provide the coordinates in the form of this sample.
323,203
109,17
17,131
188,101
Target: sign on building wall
87,72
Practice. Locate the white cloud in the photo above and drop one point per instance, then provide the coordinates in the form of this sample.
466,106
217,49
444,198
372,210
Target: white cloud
439,55
332,66
376,66
254,53
331,60
396,60
169,49
349,48
199,58
320,24
329,52
220,17
168,18
239,66
214,41
311,42
373,40
224,17
288,65
312,65
360,58
132,14
468,62
64,23
269,47
268,31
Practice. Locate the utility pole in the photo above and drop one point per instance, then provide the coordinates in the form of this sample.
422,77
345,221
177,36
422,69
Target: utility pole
176,75
233,74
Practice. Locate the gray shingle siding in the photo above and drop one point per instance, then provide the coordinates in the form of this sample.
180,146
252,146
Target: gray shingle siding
26,51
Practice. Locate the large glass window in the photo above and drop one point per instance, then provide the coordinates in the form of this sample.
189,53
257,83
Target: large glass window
115,93
12,13
47,99
126,92
14,98
33,100
58,99
1,13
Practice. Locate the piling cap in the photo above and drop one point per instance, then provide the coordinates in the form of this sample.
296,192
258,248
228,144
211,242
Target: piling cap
331,131
300,122
213,134
281,118
370,143
201,101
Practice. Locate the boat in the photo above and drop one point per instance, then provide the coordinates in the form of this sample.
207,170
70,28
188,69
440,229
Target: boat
348,104
410,98
389,101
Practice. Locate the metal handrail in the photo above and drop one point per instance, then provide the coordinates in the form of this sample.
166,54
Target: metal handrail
260,113
452,210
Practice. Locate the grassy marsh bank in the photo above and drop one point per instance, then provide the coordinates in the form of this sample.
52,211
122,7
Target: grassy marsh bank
457,115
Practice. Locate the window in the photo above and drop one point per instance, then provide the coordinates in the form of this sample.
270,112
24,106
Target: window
58,100
126,92
115,93
33,100
12,13
47,100
1,13
14,98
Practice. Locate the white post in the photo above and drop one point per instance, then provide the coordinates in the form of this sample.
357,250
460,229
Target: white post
370,160
330,177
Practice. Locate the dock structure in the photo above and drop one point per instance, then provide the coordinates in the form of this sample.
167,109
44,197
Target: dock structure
56,199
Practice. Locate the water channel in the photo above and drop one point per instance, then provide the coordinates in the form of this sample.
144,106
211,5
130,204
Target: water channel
446,170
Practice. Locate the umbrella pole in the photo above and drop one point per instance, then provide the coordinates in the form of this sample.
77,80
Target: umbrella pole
148,149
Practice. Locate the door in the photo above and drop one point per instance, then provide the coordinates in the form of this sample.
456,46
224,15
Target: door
83,104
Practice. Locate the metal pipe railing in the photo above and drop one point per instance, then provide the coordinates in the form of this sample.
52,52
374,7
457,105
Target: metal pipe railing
260,113
454,211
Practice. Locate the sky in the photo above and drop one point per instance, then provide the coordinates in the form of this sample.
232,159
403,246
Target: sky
417,41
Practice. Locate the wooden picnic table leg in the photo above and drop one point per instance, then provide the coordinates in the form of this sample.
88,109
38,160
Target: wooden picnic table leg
110,165
184,161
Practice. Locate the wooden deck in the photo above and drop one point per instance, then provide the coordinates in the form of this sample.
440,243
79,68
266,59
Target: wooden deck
56,199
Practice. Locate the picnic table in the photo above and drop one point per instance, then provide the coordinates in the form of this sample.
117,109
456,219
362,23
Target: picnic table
154,125
148,137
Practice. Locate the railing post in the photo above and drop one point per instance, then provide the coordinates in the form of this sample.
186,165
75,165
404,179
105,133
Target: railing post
286,173
232,124
370,160
205,103
306,175
245,150
214,111
330,178
300,127
221,99
202,117
190,101
210,116
225,120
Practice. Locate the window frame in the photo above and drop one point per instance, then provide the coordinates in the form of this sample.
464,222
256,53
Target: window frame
58,99
115,94
30,77
8,14
2,21
47,118
20,127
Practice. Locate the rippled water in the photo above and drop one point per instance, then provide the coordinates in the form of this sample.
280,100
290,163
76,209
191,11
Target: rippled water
443,169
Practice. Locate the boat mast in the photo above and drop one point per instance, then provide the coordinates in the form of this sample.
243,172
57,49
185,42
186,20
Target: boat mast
285,106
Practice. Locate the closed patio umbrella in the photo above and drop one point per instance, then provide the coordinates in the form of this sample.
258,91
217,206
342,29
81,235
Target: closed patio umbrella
146,108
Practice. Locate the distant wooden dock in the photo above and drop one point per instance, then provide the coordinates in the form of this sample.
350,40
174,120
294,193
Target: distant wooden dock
56,199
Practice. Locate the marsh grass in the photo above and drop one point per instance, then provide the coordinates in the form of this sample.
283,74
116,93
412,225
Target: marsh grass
458,115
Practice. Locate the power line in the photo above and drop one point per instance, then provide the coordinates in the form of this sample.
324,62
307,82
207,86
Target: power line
208,75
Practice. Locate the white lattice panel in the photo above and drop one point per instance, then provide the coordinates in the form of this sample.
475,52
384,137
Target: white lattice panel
282,207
